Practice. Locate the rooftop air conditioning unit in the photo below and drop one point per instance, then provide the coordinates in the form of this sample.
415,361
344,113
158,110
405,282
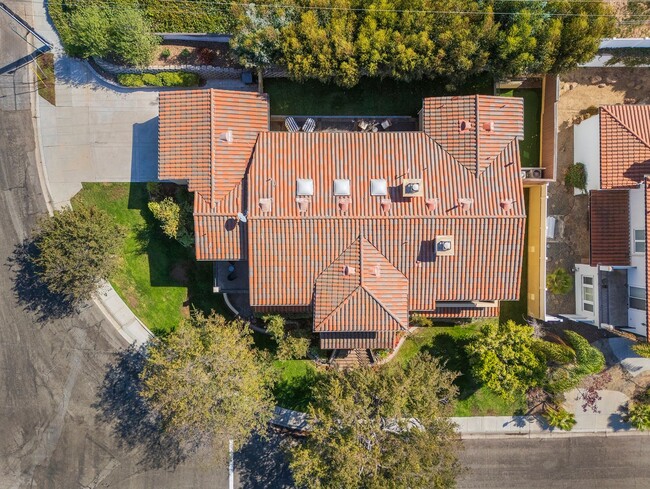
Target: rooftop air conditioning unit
412,187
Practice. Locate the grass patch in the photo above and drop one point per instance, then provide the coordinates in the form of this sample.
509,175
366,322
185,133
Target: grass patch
157,278
529,147
46,78
448,342
517,310
642,349
372,96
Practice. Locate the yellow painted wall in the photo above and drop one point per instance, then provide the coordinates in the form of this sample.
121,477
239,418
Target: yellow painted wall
537,251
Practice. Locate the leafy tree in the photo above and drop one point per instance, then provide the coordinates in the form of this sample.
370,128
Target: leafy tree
290,347
207,383
90,27
503,357
131,39
77,249
175,216
381,427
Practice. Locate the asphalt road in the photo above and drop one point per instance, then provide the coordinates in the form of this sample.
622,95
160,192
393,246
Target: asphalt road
616,462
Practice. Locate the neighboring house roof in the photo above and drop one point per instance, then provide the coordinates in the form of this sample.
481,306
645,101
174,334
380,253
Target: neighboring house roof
624,145
647,254
610,227
467,158
207,138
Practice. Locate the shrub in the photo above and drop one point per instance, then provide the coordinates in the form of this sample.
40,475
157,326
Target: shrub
91,36
502,356
168,213
559,282
166,53
290,347
576,177
642,349
150,79
588,359
638,415
560,418
130,80
131,39
554,352
78,248
184,54
420,321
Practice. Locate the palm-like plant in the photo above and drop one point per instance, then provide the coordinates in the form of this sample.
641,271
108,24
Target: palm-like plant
559,282
560,418
638,415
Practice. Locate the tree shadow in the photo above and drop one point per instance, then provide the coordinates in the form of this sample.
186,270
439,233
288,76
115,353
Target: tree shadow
296,392
135,425
262,463
30,291
452,350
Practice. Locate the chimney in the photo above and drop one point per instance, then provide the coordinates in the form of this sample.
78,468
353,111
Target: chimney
506,204
348,270
344,204
488,126
465,204
385,205
226,136
265,205
464,126
432,204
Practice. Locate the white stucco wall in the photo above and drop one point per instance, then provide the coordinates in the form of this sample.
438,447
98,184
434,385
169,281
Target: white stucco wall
586,149
581,314
636,275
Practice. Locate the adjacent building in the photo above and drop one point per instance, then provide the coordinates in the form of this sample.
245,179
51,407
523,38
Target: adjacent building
612,287
361,229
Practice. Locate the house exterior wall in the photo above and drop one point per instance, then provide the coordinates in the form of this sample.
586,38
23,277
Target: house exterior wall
536,300
637,275
586,149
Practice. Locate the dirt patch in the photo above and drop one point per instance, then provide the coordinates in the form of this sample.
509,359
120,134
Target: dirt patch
216,54
633,17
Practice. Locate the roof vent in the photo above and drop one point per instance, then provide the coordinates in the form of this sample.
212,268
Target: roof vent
465,204
412,187
376,271
226,136
445,245
265,205
378,187
344,204
303,204
385,205
464,126
304,186
341,186
432,204
488,126
506,204
348,270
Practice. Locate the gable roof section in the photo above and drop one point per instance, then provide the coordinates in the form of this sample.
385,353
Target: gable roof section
207,137
624,145
474,130
372,297
647,254
609,214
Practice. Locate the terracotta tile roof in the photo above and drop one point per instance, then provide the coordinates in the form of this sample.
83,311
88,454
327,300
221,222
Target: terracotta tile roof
474,130
358,340
624,145
609,215
361,291
207,137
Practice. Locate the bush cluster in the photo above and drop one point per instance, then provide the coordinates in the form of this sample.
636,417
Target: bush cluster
174,214
576,177
559,282
589,360
290,346
560,418
642,349
163,79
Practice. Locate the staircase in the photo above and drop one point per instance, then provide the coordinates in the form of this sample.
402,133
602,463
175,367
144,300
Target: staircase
344,359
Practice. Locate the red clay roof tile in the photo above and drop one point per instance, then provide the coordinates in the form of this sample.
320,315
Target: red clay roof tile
609,213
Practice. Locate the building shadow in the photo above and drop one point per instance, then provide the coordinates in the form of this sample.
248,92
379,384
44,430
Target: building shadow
30,291
135,426
144,151
262,463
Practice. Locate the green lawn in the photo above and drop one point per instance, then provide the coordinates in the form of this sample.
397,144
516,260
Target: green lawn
447,342
516,310
529,147
372,96
158,278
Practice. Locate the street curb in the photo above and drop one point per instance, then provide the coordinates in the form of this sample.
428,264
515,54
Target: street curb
549,434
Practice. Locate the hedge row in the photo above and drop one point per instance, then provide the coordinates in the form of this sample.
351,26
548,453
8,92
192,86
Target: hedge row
164,79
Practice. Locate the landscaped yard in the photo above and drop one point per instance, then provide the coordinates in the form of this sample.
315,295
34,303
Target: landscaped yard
447,342
158,278
372,96
529,147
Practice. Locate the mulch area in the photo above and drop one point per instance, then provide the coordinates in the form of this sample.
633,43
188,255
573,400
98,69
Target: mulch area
591,333
196,54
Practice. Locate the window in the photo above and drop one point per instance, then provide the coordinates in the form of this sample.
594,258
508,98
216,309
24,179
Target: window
588,294
637,298
639,241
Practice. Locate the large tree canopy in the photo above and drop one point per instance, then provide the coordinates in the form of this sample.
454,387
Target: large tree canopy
207,382
342,40
378,428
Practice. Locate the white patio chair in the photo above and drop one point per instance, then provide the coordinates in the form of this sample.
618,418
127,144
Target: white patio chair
309,125
291,124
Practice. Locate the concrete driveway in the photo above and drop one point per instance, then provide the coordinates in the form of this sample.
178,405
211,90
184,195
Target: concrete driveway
96,134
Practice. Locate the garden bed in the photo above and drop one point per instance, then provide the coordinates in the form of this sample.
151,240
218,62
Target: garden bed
195,54
162,79
46,78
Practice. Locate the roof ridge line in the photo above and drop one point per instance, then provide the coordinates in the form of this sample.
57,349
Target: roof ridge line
344,301
422,216
381,304
211,148
385,258
626,127
478,132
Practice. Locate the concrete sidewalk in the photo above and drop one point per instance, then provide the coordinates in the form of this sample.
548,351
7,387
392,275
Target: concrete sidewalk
122,318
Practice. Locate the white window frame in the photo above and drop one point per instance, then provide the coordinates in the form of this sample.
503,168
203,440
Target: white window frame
636,241
591,303
639,294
